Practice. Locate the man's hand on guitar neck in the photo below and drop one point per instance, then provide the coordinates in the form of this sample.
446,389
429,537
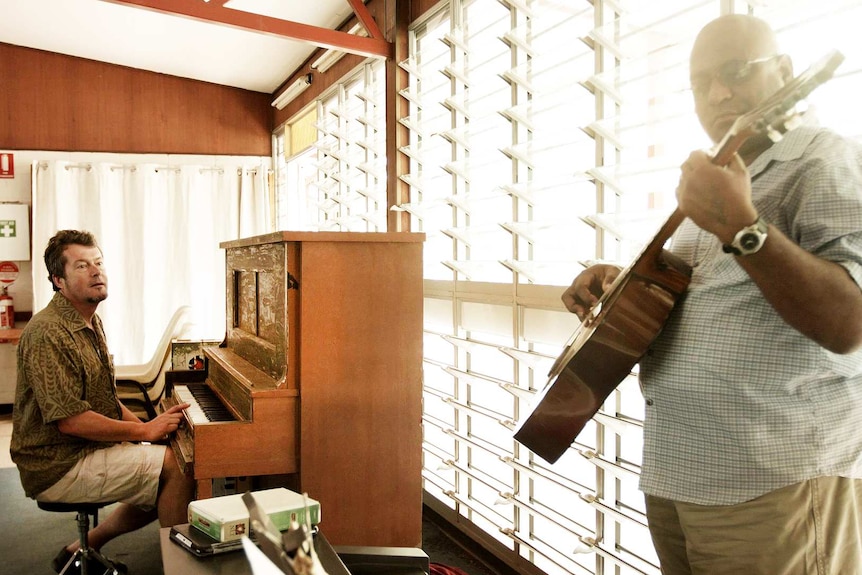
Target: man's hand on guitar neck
716,198
586,289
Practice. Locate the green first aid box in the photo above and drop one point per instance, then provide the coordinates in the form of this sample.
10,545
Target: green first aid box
226,518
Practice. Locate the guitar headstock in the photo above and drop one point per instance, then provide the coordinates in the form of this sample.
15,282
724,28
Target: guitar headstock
776,115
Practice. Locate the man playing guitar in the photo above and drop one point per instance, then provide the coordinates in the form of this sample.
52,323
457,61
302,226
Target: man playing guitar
752,451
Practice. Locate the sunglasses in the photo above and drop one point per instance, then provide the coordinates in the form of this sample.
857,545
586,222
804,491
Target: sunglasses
731,73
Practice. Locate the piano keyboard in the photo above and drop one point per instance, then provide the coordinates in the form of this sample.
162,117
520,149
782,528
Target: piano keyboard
205,406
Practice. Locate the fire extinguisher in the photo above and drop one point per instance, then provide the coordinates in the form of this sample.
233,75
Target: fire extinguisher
7,309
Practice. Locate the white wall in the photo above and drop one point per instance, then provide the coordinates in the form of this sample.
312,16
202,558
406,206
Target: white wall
17,190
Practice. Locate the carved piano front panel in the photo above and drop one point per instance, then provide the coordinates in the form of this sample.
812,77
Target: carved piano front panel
257,310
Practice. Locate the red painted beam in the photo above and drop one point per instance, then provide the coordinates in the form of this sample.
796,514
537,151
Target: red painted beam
366,19
216,13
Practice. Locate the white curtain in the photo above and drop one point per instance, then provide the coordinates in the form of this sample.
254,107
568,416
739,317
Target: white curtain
159,229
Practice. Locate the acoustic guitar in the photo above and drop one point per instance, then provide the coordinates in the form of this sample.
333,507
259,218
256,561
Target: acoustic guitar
622,325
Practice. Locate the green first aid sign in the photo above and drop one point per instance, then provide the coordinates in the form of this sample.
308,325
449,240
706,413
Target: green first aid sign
14,232
7,229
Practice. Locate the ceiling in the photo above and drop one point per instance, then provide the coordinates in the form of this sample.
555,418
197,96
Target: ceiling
250,44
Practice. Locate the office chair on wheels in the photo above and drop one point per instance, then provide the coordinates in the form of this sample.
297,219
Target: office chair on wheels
86,561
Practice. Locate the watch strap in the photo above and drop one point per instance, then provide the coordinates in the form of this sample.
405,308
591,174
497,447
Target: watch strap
759,227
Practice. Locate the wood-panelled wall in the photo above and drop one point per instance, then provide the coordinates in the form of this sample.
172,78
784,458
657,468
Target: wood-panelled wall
50,101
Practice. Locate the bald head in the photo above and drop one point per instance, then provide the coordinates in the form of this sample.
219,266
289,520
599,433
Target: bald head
735,36
735,65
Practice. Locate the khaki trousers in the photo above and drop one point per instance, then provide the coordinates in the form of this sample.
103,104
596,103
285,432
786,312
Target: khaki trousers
810,528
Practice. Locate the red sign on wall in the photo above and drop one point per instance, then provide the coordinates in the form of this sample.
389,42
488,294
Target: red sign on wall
8,272
7,165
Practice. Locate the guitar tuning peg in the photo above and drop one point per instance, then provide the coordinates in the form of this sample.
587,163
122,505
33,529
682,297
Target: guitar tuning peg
793,122
774,134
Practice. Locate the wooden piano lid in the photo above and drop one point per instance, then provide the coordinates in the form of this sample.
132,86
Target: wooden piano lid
295,236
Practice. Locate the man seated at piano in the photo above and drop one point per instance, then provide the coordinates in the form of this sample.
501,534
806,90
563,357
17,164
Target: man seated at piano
72,439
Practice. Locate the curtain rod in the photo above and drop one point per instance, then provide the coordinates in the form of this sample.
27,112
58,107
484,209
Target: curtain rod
43,165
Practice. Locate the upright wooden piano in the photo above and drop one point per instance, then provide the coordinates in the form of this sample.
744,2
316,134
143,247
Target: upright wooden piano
319,377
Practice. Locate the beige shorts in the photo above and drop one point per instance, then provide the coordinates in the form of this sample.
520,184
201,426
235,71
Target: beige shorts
127,472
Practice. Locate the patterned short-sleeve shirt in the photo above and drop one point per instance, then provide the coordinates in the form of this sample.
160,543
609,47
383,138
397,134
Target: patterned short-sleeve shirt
739,403
64,369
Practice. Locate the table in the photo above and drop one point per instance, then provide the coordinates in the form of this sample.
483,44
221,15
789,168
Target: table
11,335
178,561
8,362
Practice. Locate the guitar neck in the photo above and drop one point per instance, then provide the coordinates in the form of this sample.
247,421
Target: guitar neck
655,246
721,157
616,334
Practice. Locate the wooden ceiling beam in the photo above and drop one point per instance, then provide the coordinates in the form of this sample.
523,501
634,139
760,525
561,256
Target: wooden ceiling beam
216,12
365,18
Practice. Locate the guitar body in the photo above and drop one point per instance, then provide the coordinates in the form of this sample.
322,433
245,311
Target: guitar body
603,351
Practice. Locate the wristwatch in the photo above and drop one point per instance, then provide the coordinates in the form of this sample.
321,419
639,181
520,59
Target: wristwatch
748,240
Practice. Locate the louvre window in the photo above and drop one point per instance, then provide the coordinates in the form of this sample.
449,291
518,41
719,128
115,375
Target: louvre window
547,135
544,135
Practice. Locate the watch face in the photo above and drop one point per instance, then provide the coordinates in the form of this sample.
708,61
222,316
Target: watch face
749,241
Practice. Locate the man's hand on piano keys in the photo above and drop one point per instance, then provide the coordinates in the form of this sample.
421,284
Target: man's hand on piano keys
160,428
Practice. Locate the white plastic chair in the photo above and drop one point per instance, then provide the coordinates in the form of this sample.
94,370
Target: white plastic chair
143,384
